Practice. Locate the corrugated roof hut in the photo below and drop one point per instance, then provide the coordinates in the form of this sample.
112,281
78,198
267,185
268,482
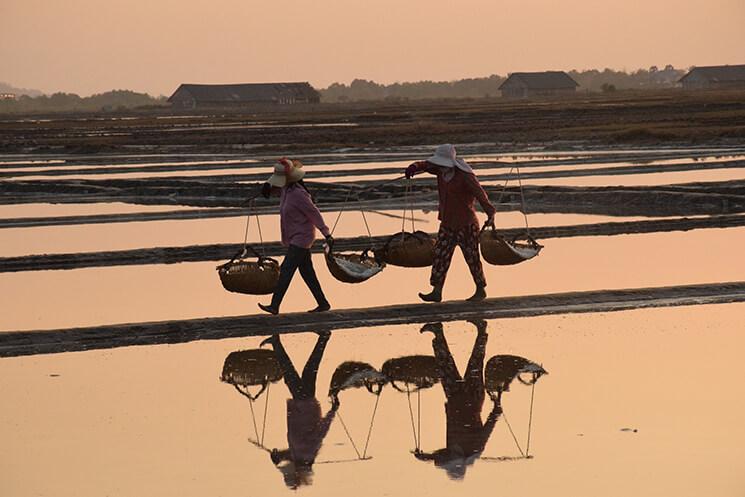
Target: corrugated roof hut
191,96
538,84
714,77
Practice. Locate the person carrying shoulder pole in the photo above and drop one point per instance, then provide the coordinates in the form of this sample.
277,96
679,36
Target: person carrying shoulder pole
458,187
299,217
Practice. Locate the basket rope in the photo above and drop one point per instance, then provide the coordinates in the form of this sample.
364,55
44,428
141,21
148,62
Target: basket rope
523,207
252,210
408,207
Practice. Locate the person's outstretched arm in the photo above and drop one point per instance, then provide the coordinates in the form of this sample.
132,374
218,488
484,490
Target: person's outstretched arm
267,190
491,420
429,456
419,167
328,418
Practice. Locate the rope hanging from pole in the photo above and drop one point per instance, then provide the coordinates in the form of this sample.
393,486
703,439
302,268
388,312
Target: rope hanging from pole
522,194
530,420
372,421
253,418
344,425
266,408
343,207
411,415
507,422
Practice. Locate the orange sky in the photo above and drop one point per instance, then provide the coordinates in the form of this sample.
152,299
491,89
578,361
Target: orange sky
87,46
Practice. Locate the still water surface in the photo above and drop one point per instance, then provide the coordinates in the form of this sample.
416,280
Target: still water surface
642,403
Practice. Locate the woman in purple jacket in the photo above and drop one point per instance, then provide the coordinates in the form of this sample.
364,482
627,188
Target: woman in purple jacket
299,217
306,425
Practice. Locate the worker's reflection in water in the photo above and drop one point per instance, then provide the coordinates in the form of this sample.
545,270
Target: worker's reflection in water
466,433
306,427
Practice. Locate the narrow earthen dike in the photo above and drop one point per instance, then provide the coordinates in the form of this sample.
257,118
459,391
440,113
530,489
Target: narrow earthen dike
224,251
123,335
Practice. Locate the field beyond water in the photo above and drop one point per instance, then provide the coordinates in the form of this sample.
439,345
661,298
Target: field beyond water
628,117
123,363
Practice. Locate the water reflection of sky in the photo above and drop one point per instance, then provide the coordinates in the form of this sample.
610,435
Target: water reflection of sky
83,297
94,419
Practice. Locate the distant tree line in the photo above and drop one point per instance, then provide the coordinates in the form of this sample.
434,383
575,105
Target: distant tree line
642,79
361,89
592,80
115,100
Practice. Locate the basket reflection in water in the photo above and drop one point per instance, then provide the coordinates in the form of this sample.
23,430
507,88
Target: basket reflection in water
354,374
466,434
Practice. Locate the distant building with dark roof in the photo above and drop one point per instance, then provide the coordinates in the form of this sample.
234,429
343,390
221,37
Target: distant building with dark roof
191,96
538,84
714,77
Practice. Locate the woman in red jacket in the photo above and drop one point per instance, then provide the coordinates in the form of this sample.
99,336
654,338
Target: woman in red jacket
458,188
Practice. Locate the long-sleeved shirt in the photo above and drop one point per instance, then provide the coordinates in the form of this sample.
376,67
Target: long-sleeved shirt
306,429
299,217
457,195
466,433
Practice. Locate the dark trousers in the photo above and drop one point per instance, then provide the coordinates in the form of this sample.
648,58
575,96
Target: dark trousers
301,387
472,382
297,258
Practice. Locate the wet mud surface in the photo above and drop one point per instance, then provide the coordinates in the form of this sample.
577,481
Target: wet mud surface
218,252
77,339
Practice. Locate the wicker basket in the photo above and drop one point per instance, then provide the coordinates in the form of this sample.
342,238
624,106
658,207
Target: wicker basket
250,277
255,367
352,268
501,370
500,252
353,374
416,372
406,249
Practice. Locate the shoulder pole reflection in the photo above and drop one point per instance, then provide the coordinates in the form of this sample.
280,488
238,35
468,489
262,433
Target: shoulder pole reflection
353,374
501,371
412,374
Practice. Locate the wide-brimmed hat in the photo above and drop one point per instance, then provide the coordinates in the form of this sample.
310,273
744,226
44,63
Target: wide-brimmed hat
445,156
286,172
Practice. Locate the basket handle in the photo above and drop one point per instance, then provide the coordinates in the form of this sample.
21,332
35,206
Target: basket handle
533,243
243,252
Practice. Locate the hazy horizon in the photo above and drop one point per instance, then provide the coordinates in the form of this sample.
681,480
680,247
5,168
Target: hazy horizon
85,47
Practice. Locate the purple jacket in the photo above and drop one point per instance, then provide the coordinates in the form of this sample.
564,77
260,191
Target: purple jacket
299,218
306,429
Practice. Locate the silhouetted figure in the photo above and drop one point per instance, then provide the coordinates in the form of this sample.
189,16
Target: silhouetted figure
298,218
306,427
458,189
466,433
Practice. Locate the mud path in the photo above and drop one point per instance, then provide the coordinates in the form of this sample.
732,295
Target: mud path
171,332
392,171
222,252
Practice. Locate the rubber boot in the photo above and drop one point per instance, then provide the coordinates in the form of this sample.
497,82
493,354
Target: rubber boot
434,296
479,295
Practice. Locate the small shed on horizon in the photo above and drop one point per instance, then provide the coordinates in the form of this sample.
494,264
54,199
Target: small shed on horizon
191,96
538,84
714,77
